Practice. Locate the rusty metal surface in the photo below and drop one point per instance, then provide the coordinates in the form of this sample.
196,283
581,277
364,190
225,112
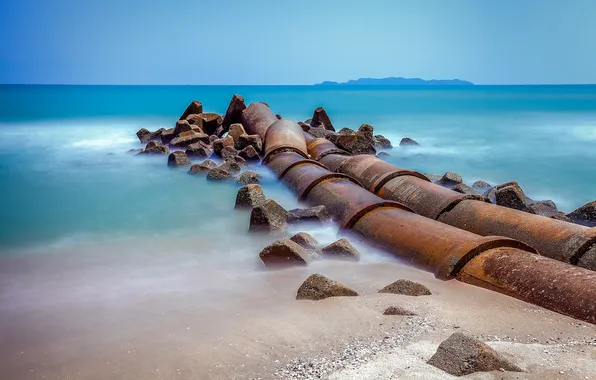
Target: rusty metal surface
424,197
303,178
308,138
334,162
283,136
553,238
548,283
257,118
285,161
319,148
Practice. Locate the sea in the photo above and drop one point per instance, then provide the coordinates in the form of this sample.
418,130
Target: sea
87,229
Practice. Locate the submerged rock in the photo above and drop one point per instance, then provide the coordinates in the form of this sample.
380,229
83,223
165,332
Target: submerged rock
203,167
461,355
268,216
155,147
406,287
406,141
306,241
284,253
318,287
219,174
450,179
178,158
248,177
234,112
397,310
146,136
511,195
230,166
341,249
193,108
584,215
249,196
381,142
320,119
311,214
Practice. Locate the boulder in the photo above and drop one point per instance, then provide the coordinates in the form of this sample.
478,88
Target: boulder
230,166
134,151
561,216
199,149
318,287
320,119
397,310
381,142
383,154
491,194
284,253
545,208
268,216
145,135
219,174
450,179
305,126
511,195
182,126
320,132
193,108
248,177
278,116
228,152
406,287
187,138
341,249
234,112
154,147
220,144
464,189
212,139
346,131
359,143
461,355
584,215
168,135
178,158
306,241
236,130
249,196
249,154
249,140
481,186
203,167
238,160
311,214
434,178
210,122
406,141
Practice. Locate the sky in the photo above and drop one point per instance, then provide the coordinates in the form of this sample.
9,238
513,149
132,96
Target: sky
296,42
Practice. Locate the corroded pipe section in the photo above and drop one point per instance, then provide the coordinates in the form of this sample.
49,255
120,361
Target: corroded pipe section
257,118
319,148
284,136
287,160
334,161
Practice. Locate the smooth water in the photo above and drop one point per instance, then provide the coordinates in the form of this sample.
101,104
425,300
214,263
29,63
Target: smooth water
65,175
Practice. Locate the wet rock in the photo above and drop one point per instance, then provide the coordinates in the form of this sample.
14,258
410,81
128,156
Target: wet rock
167,135
584,215
187,138
178,158
397,310
231,166
306,241
228,152
154,147
341,249
381,142
450,179
193,108
406,141
249,176
311,214
249,196
236,130
359,143
234,112
182,126
481,186
318,287
346,131
545,208
464,189
511,195
249,140
238,160
268,216
319,132
249,154
220,144
434,178
199,149
383,154
406,287
284,253
461,355
320,119
203,167
219,174
491,194
146,136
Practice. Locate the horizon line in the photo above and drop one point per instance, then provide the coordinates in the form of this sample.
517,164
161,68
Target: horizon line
299,85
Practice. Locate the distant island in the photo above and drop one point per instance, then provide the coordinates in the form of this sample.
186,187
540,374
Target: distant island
398,81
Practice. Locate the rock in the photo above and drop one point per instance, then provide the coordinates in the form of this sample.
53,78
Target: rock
234,112
450,179
154,147
241,162
318,287
268,216
341,249
305,126
145,135
461,355
182,126
249,154
359,143
210,123
406,141
481,186
187,138
193,108
320,119
284,253
236,130
319,132
249,140
220,144
381,142
306,241
167,135
464,189
249,176
511,195
311,214
199,149
278,116
383,154
230,166
212,139
561,216
308,121
249,196
134,151
584,215
346,131
545,208
434,178
491,194
219,174
203,167
228,152
406,287
178,158
397,310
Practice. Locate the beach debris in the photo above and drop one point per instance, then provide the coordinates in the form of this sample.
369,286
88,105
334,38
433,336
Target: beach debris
306,241
167,135
481,186
184,139
461,355
284,253
268,216
511,195
249,176
310,214
178,158
406,141
145,135
450,179
203,167
318,287
220,144
234,112
219,174
361,142
155,147
236,130
249,140
464,189
381,142
249,154
320,119
249,196
341,249
199,149
397,310
193,108
407,288
584,215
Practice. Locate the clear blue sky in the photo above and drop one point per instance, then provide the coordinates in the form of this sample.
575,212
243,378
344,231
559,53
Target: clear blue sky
296,42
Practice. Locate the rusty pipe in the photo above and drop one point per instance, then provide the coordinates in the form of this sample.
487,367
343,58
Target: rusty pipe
319,148
284,136
257,118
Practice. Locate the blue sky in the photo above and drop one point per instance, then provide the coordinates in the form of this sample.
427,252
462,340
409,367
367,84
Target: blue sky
303,42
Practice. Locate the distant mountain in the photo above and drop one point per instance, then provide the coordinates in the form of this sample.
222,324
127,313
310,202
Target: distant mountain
399,81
